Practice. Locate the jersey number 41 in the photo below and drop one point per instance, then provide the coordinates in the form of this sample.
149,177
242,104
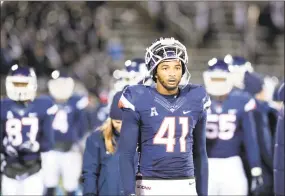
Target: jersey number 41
168,125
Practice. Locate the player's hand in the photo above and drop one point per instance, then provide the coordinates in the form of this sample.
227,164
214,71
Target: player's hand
257,181
29,146
11,151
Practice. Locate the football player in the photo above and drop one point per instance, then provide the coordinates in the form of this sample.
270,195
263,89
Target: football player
99,113
254,84
168,124
279,149
265,113
134,72
230,125
25,133
70,125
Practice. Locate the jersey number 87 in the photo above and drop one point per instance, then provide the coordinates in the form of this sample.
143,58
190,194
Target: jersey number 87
14,129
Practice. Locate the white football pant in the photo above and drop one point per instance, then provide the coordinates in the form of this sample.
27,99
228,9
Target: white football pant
32,185
227,176
64,164
166,187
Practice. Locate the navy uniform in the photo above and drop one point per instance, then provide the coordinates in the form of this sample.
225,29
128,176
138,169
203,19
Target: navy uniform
99,115
167,128
25,133
230,126
100,173
134,72
254,84
169,131
279,150
70,124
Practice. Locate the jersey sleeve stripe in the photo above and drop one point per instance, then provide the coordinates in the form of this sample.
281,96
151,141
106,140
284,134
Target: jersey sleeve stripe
207,104
82,103
124,103
52,110
250,105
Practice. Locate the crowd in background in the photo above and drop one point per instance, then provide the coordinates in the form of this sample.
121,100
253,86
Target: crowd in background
76,36
252,21
49,35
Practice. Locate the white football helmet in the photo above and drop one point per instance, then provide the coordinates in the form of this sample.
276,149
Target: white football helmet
21,83
60,86
166,49
217,78
238,66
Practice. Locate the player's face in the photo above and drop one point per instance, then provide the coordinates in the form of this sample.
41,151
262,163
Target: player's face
117,124
169,74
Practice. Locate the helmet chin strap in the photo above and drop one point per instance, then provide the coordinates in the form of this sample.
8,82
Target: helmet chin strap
188,78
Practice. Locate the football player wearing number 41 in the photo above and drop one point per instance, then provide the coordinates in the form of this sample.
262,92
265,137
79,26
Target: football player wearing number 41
230,125
70,124
25,133
167,122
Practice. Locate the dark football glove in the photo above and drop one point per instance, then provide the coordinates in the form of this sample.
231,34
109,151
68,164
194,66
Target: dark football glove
11,151
29,146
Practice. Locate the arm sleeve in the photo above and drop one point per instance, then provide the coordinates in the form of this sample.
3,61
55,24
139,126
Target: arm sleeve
200,156
47,138
127,149
91,169
264,138
250,139
82,118
82,123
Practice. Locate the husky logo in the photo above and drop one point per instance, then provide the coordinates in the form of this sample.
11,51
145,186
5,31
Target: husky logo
153,112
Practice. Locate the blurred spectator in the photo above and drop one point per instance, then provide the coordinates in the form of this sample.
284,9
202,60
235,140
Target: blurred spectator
272,18
115,49
48,34
51,35
240,16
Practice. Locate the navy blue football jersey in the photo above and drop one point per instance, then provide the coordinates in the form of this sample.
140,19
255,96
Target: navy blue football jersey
70,122
279,153
26,129
230,125
166,128
99,115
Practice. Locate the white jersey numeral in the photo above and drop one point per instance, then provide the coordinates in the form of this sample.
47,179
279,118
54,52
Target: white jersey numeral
14,128
221,126
60,122
168,127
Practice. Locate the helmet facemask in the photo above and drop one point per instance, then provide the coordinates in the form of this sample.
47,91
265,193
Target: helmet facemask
21,88
218,83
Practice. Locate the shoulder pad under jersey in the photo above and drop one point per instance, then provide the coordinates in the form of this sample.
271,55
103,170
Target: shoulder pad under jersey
133,96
